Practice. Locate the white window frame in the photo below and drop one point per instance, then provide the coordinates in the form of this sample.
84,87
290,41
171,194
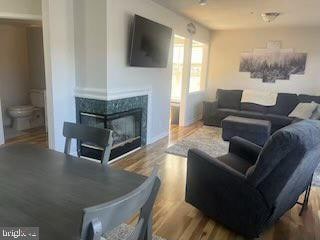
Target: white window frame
204,67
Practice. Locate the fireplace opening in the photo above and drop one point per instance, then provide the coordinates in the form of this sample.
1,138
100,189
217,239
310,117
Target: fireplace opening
126,127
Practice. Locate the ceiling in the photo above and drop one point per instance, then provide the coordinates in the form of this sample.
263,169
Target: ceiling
240,14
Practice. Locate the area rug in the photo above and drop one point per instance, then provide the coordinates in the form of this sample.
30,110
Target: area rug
123,232
209,140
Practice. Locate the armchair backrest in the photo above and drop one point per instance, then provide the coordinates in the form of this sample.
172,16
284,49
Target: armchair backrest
286,163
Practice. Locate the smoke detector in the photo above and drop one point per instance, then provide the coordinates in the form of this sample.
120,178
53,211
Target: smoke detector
269,16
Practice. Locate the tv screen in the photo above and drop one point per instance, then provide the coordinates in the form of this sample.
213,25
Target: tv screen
150,43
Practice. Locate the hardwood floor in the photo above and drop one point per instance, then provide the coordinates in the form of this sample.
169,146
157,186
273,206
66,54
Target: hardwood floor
36,136
174,219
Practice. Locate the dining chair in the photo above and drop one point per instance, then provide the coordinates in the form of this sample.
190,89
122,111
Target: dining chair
90,135
101,219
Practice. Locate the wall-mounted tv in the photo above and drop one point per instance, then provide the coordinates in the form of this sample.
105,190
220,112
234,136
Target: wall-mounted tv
150,43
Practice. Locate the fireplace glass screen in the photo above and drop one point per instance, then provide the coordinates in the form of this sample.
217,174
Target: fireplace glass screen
126,127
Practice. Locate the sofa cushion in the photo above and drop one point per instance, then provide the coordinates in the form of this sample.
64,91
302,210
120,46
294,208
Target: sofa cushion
304,110
316,114
229,98
286,102
222,113
303,98
253,107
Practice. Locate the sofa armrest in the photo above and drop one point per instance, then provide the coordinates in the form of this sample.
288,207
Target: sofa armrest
244,149
209,109
210,106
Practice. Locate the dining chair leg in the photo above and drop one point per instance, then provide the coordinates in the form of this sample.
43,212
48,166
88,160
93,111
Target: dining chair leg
67,146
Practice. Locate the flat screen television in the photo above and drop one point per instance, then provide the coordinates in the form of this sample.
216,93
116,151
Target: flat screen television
150,43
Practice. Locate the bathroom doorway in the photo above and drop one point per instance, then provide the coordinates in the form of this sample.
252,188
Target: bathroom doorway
22,81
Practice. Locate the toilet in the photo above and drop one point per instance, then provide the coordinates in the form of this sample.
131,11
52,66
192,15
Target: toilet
22,116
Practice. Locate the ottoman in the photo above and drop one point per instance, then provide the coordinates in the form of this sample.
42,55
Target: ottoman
254,130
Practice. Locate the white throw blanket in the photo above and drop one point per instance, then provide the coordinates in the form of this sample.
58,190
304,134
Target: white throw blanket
259,97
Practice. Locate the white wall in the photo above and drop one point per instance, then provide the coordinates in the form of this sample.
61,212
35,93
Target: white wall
14,68
226,47
58,31
25,9
121,76
91,43
36,58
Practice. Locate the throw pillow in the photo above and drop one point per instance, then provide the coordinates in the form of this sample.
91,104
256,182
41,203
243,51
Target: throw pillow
304,110
316,113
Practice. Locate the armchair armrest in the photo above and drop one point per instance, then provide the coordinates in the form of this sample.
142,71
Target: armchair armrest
245,149
213,165
224,194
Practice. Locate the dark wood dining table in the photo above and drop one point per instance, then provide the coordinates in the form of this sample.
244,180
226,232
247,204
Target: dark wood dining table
48,189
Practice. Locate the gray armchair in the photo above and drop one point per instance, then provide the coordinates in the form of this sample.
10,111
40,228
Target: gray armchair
251,187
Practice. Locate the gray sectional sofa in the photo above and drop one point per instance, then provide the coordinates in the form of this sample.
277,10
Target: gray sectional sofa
228,103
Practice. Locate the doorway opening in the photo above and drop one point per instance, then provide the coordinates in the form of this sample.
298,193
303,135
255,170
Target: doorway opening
177,78
23,85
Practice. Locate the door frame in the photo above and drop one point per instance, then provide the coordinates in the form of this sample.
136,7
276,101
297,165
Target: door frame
22,17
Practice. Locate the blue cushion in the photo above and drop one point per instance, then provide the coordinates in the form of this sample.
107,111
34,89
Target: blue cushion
286,103
229,98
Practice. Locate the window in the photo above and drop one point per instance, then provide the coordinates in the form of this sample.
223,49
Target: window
197,72
177,72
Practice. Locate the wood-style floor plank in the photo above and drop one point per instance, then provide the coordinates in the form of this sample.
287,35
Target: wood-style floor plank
174,219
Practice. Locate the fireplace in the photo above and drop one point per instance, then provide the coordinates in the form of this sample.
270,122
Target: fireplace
126,127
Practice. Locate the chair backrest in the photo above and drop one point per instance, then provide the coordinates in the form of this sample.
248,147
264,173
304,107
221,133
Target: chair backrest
103,218
286,163
90,135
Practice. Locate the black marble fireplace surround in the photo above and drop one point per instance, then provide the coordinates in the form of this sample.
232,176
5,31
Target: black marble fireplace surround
127,117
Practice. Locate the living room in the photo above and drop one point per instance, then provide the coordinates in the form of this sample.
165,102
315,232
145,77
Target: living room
201,115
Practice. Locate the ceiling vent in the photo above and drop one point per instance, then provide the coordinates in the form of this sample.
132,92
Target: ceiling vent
269,16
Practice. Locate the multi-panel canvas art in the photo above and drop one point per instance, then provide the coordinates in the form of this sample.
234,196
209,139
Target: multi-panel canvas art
273,63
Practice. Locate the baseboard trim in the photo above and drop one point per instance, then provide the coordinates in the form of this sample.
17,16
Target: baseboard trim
191,121
158,137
